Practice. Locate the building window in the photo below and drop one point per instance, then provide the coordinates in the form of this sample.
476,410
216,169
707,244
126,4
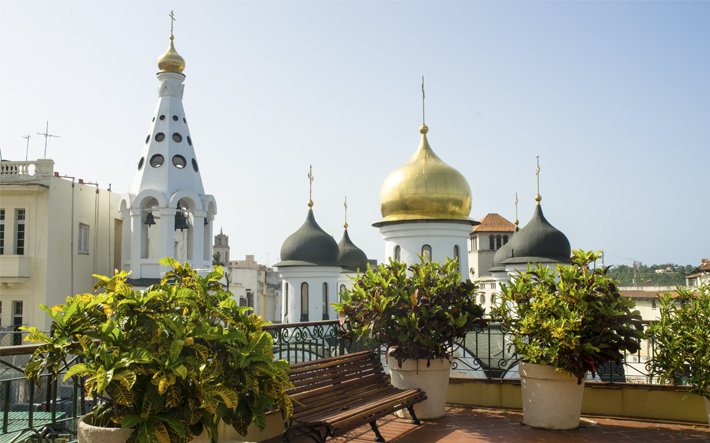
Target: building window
304,301
325,301
474,239
505,239
397,253
653,303
83,239
20,232
2,231
426,252
250,299
285,300
491,242
343,288
498,242
17,322
483,299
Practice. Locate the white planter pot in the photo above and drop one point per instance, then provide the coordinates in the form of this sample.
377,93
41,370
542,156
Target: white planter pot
551,399
88,433
432,379
274,427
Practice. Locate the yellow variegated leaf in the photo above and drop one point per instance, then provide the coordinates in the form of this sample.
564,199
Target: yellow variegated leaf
161,433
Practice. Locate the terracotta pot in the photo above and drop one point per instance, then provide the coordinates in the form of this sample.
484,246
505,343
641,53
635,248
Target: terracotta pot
432,379
551,399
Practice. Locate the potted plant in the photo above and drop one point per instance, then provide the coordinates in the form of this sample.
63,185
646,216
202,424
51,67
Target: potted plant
417,312
564,323
682,350
167,363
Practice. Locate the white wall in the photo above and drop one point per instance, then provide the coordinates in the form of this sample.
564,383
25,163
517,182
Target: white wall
315,276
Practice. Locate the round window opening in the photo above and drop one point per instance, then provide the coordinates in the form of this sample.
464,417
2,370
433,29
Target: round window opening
177,137
140,163
162,117
157,160
179,161
194,165
189,140
159,137
175,118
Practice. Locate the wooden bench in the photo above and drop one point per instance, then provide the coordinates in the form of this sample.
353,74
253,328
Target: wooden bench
334,395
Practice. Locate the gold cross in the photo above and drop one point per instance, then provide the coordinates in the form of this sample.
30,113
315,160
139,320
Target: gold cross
310,186
172,22
537,173
346,212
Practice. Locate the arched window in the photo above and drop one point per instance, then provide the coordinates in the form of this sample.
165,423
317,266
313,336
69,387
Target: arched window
474,238
285,300
492,242
498,242
426,252
325,301
304,301
483,299
342,288
493,299
456,252
505,239
397,253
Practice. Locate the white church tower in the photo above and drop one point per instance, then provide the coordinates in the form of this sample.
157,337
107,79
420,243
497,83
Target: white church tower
425,206
166,212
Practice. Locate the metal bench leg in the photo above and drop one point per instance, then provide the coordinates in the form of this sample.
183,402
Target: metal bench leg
376,430
415,420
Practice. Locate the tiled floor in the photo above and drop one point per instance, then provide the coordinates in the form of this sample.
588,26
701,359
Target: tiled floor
466,424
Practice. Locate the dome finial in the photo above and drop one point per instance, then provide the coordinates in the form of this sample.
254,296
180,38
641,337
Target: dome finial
538,197
310,186
517,222
424,128
171,61
346,212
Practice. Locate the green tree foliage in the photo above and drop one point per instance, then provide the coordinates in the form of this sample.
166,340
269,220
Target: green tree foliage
417,311
682,352
572,317
167,361
653,275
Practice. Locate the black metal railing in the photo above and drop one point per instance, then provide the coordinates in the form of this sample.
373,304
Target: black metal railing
48,412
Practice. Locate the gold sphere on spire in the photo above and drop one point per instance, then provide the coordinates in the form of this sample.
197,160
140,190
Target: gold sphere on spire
425,188
171,61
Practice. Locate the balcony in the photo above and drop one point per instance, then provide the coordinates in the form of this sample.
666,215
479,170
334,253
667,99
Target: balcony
625,403
15,269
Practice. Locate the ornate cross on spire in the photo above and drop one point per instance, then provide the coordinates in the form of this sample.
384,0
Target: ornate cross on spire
172,22
46,135
346,212
516,212
423,97
310,186
537,173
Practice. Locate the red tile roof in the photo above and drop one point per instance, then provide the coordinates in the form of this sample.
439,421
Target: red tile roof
494,223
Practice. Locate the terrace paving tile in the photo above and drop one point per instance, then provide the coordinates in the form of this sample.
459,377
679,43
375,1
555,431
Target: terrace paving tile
465,424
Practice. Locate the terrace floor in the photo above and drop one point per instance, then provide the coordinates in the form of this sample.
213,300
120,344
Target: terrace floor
473,424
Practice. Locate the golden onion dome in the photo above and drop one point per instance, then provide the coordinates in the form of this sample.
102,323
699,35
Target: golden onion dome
171,61
425,188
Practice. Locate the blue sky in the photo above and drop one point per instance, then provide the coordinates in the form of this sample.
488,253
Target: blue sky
613,96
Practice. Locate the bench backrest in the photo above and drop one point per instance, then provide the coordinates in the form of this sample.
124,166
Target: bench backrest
337,380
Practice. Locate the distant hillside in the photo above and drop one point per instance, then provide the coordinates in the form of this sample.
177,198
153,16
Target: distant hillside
653,275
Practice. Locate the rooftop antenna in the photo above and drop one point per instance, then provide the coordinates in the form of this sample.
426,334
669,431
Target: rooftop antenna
537,173
346,212
46,135
27,148
310,186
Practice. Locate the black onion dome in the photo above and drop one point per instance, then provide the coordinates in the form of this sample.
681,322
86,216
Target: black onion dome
310,245
351,257
536,242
